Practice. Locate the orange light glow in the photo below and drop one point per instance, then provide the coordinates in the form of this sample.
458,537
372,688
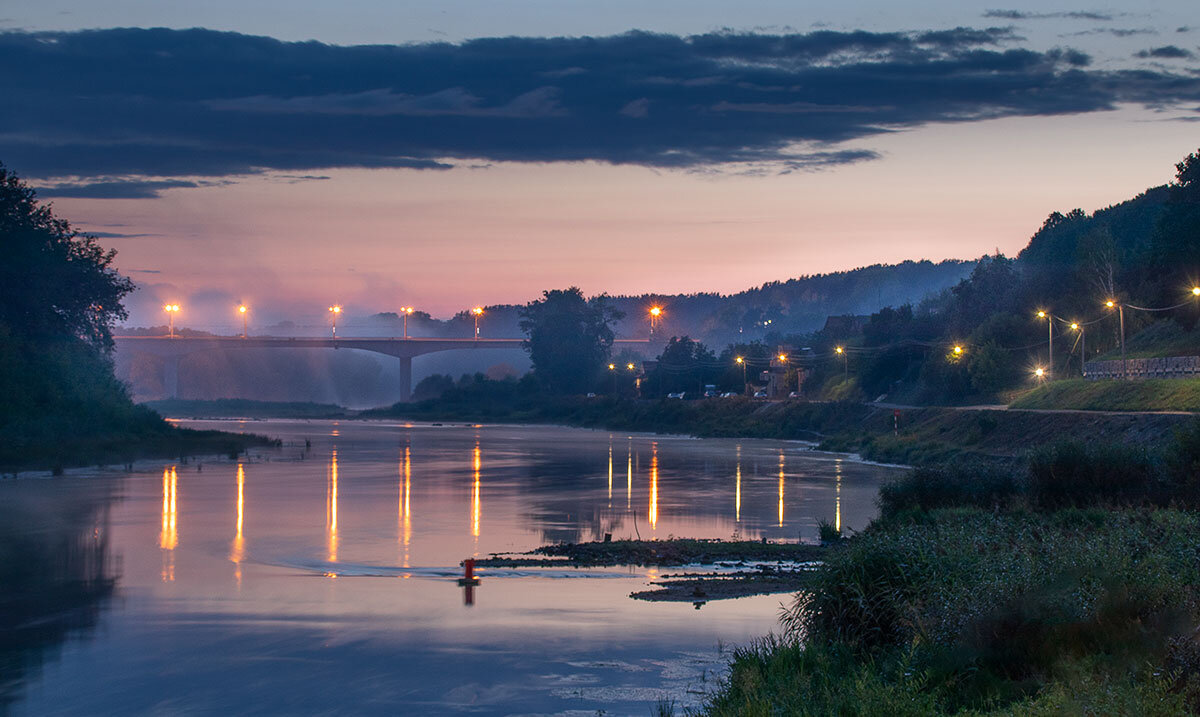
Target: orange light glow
331,509
656,311
654,486
335,309
168,538
242,309
478,311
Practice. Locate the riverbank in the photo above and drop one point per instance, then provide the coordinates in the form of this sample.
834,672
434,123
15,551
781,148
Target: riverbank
916,436
1177,394
245,408
1069,587
155,440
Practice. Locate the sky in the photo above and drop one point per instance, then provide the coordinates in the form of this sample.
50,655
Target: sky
376,154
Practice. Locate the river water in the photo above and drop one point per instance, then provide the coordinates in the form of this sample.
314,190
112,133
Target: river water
319,578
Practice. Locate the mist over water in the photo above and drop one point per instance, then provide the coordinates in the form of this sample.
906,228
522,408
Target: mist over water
321,578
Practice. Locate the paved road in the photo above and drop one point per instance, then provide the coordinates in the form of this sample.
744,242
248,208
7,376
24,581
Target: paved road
1002,407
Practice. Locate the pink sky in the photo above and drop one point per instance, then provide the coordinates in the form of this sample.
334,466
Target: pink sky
446,240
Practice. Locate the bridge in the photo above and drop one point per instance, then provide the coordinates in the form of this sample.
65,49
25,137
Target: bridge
173,348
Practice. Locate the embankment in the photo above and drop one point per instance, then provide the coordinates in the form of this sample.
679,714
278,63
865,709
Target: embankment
925,435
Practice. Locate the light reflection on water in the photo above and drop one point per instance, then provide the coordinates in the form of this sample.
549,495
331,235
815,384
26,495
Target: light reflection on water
208,624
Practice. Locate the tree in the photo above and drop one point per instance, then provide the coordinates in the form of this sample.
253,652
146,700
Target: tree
54,281
684,365
569,338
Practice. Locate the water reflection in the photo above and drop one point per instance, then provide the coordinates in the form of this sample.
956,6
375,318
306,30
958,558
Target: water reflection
737,500
237,552
654,485
168,537
475,507
837,504
373,645
405,528
781,476
57,573
331,509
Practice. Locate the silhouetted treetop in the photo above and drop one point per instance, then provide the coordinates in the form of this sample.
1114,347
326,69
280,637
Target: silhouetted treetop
54,281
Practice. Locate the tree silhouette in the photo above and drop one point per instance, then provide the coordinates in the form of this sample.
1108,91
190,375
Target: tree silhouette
569,338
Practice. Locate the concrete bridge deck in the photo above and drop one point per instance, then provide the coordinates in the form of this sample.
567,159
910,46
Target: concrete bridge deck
173,348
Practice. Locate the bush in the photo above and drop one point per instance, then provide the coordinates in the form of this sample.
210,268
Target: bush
982,485
1070,473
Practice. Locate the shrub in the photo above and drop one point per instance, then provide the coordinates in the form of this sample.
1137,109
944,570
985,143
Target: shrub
1072,473
982,485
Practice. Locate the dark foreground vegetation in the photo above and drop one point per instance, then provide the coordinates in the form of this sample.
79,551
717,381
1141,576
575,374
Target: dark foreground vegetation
60,404
1071,586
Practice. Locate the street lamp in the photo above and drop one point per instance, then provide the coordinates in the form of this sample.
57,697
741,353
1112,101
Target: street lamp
171,310
1050,342
958,350
655,314
1075,325
742,362
242,310
1196,291
629,366
407,311
335,310
477,311
1040,372
1121,313
845,362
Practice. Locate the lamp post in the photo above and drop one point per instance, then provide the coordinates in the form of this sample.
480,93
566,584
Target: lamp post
335,310
742,362
845,363
477,311
1082,348
1121,313
242,310
1050,342
655,314
171,310
407,311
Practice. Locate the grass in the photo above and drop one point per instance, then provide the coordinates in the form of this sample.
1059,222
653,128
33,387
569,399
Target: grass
973,611
1071,586
1147,395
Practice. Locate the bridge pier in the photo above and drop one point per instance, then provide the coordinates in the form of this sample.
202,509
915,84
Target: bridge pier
405,379
171,376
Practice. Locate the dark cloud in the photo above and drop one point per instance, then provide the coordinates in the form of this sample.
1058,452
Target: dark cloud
1024,15
118,235
1114,31
114,189
131,112
1166,52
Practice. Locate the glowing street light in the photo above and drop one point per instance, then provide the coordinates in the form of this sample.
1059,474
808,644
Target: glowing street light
629,366
407,311
171,310
612,367
335,310
242,310
1121,314
845,362
1196,291
1039,372
655,315
958,350
742,362
1050,342
477,311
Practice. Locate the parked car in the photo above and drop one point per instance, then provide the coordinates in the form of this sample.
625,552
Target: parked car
760,394
591,395
794,394
679,395
728,394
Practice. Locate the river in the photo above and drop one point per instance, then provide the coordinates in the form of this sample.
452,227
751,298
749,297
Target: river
319,578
